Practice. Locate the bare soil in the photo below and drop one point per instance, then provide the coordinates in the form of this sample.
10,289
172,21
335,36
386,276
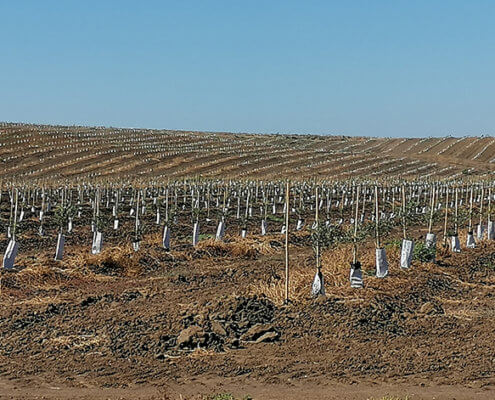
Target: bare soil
194,322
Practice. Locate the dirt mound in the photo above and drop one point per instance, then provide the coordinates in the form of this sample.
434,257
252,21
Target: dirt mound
243,319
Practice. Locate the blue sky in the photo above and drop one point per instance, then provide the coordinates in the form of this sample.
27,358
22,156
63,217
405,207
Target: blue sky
382,68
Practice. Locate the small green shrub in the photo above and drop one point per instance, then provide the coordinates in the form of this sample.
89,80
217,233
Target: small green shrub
223,396
227,396
423,253
274,218
393,244
204,236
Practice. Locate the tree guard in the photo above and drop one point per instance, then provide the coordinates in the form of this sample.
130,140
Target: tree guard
318,287
490,231
470,242
431,243
166,238
407,245
135,245
97,243
480,231
59,252
356,275
195,237
406,253
263,227
220,231
455,243
10,254
381,263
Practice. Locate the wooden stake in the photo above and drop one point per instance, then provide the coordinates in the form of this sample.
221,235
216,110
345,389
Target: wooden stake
377,219
446,217
404,212
287,195
317,232
354,247
470,227
456,209
482,201
489,203
15,212
432,205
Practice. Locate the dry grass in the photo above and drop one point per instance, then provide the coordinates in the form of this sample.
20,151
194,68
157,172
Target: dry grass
117,259
466,309
335,267
80,266
214,248
235,247
200,352
41,301
75,341
45,277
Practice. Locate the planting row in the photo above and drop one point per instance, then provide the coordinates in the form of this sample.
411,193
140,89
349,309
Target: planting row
185,212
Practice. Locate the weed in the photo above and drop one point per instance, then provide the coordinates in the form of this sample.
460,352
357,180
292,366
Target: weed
423,253
228,396
393,244
274,218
